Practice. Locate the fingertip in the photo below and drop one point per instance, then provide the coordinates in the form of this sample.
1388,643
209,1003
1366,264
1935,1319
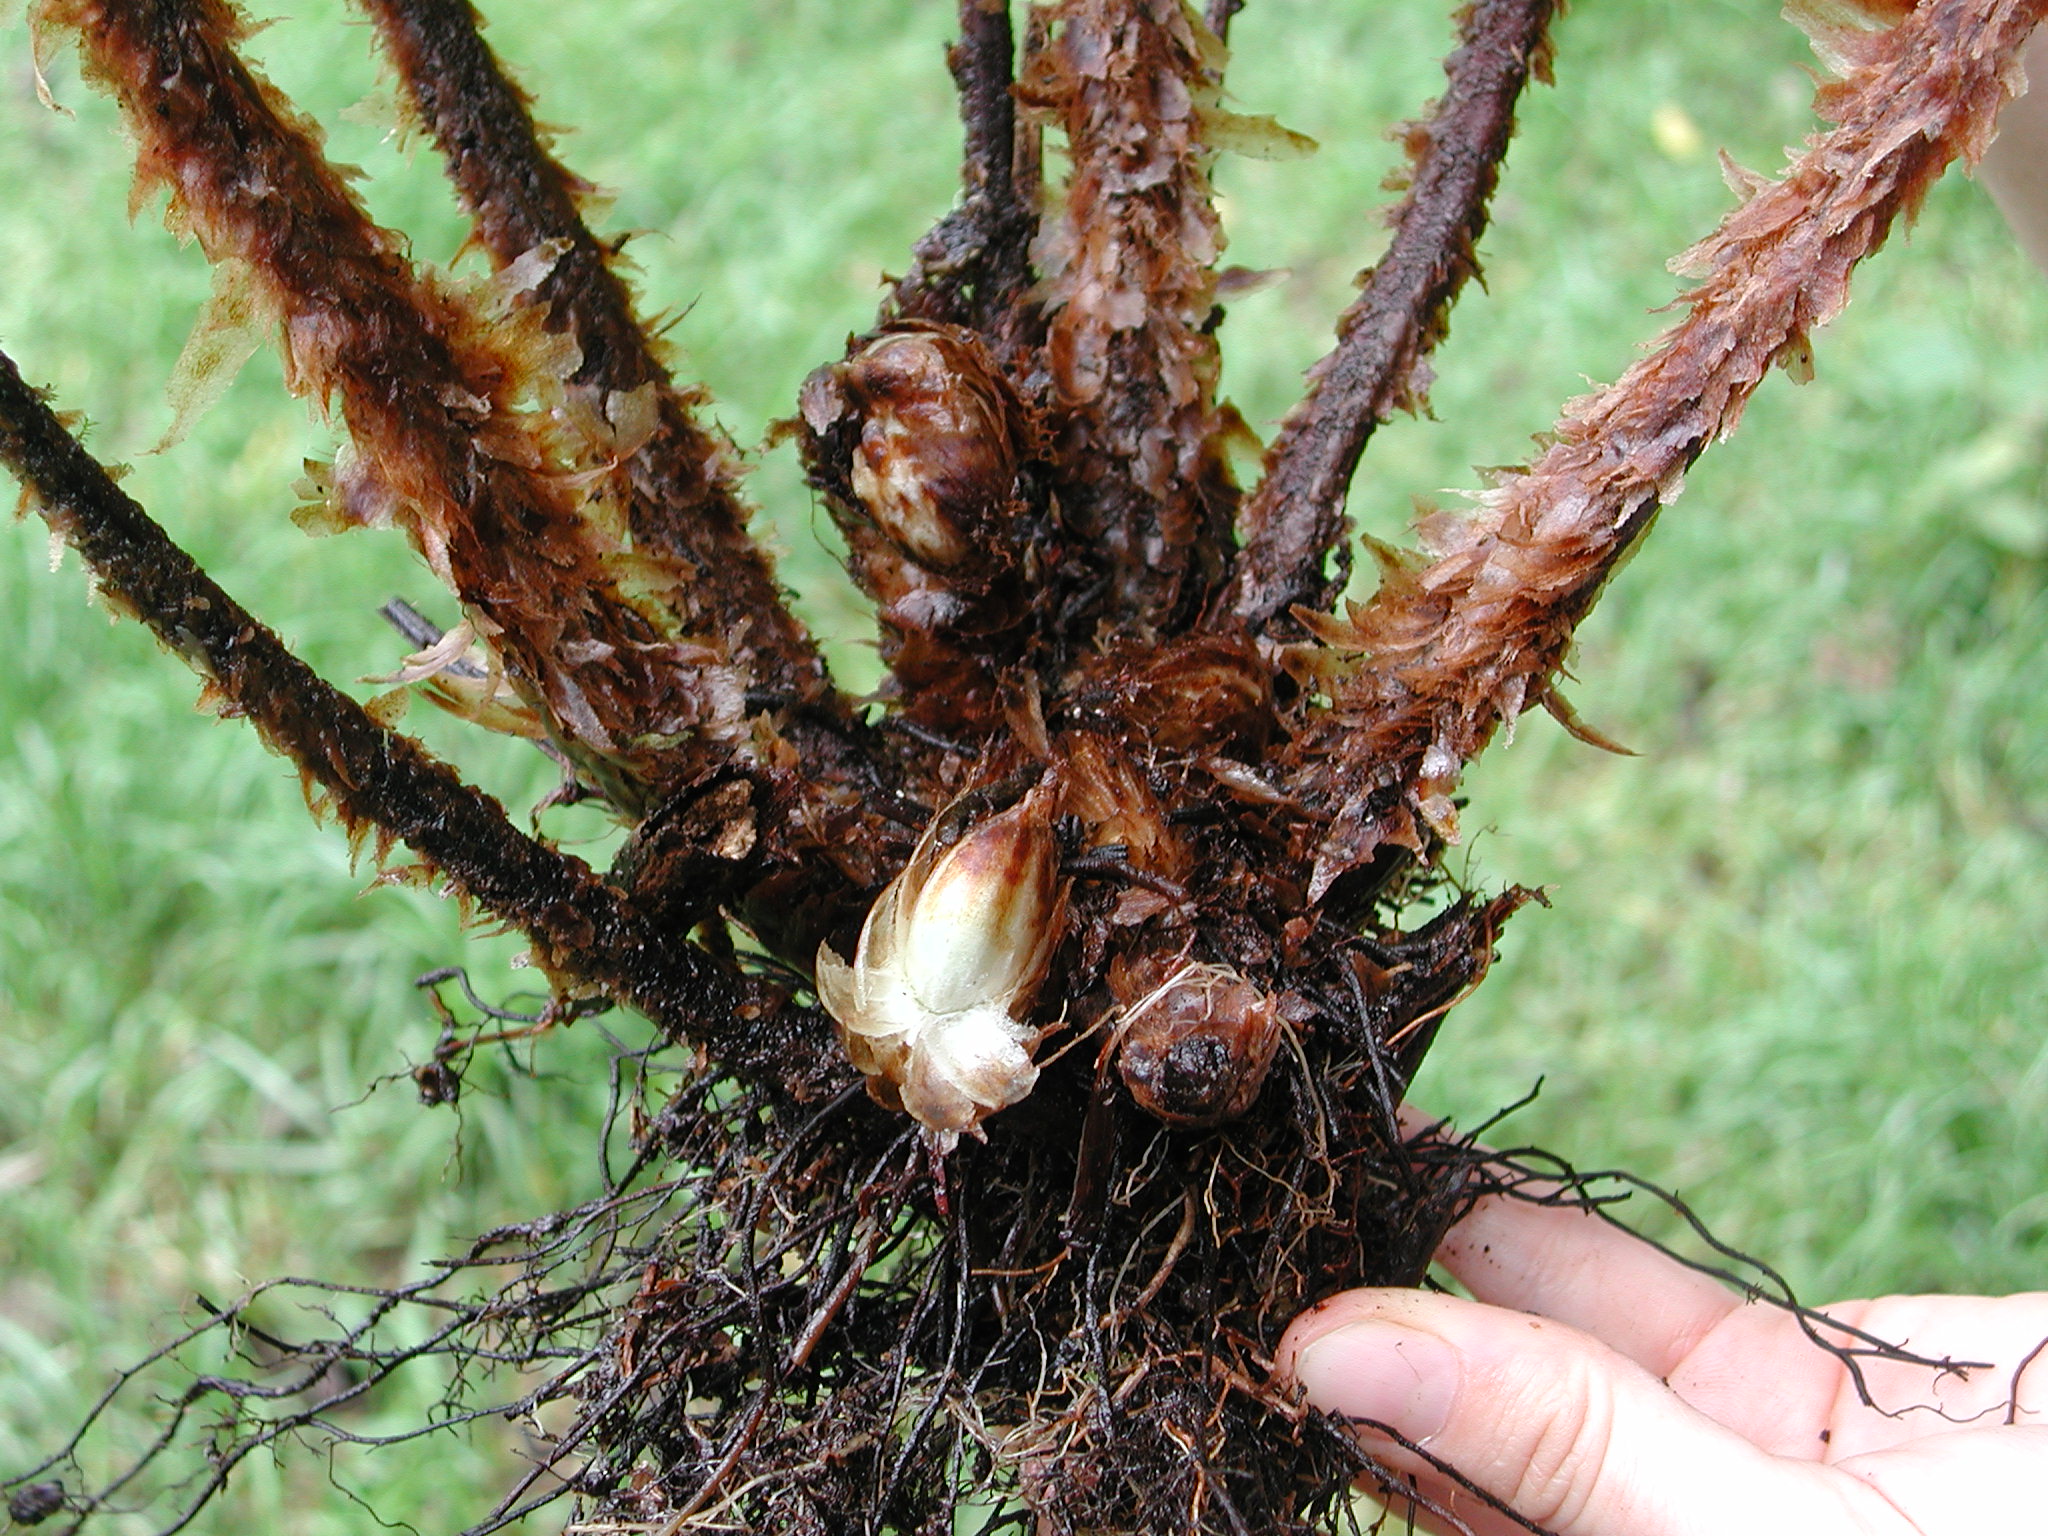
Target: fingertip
1375,1370
1324,1317
1345,1310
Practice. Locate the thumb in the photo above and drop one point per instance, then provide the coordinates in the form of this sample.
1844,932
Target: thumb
1569,1434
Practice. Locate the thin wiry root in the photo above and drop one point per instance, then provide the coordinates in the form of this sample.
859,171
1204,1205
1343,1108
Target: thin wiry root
774,1315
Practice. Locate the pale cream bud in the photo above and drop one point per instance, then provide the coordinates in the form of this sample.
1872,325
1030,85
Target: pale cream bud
949,961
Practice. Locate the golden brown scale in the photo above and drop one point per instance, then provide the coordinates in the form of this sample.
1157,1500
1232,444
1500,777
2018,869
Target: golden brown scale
429,387
677,478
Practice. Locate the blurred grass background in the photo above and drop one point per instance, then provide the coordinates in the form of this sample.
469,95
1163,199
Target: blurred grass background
1793,964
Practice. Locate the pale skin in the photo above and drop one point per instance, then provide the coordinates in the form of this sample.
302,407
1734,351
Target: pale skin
2015,169
1599,1388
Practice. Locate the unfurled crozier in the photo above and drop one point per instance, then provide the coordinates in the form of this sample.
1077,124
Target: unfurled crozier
949,961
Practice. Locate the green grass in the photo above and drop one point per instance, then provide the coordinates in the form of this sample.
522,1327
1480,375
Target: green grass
1794,959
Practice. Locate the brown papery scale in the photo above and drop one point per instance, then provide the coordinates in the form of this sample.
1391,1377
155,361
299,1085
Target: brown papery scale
1195,694
1108,794
1198,1039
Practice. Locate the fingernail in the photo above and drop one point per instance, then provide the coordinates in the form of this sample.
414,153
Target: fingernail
1383,1372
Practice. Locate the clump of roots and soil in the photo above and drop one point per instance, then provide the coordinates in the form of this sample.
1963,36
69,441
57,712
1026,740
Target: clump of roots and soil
918,1246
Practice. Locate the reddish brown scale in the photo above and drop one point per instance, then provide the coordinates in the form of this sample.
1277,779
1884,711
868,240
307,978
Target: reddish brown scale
519,196
1444,654
680,484
1197,1040
1197,694
429,392
677,482
1129,300
1147,732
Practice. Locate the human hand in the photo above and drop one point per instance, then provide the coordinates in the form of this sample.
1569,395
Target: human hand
1599,1388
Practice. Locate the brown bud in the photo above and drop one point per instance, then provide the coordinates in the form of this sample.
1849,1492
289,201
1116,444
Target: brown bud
934,462
1197,1041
